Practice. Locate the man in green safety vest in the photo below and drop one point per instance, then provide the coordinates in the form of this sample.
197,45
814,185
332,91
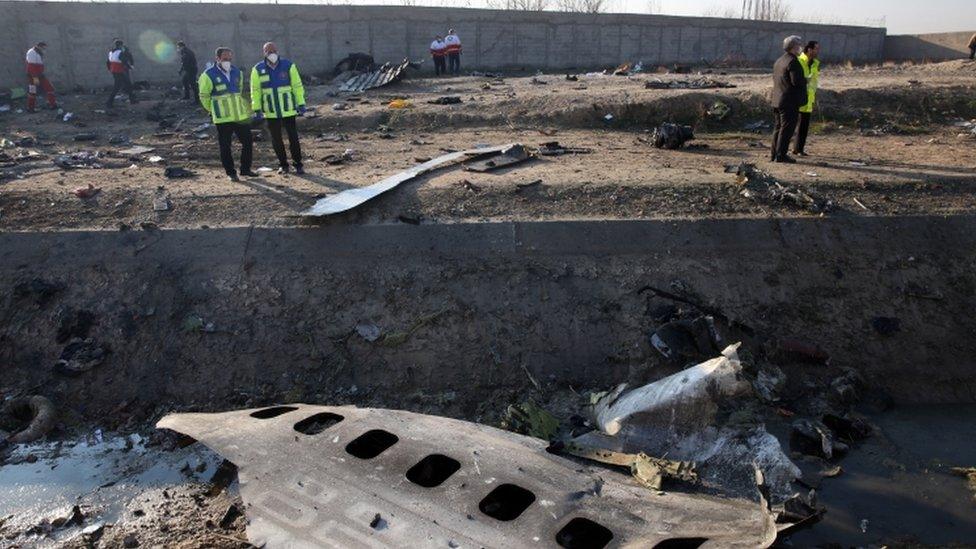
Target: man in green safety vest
278,96
221,88
810,61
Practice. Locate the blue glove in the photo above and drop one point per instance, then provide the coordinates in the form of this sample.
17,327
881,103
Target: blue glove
258,116
301,110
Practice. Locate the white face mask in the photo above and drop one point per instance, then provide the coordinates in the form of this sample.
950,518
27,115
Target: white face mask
273,58
225,65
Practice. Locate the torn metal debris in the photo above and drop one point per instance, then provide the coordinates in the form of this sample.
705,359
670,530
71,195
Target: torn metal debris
672,136
678,417
763,187
514,154
351,198
554,148
647,470
382,76
350,477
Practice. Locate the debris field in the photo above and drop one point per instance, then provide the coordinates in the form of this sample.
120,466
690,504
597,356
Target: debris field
499,310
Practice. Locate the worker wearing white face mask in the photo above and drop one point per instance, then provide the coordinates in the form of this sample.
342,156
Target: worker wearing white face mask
278,96
221,88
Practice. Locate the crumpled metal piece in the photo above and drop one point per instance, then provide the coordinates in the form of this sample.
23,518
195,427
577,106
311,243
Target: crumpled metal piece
382,76
649,471
351,198
318,476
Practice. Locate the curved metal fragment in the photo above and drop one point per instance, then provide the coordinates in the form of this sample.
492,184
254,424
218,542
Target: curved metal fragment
385,478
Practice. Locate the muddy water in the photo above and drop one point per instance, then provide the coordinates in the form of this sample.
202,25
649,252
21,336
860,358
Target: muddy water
101,474
896,487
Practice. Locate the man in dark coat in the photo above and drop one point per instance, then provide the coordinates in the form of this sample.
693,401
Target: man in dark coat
188,72
789,94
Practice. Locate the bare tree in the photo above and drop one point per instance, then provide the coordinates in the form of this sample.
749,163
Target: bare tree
766,10
654,6
724,12
583,6
518,5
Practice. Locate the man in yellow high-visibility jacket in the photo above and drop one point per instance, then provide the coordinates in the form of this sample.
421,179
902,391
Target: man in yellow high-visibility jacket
810,61
278,96
221,88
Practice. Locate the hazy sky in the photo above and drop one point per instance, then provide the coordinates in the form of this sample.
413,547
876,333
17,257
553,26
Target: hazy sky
900,16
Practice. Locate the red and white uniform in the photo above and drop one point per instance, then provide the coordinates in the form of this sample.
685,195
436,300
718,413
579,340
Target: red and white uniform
453,44
115,64
36,79
35,62
438,48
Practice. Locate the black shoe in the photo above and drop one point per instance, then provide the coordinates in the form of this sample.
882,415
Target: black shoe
249,173
299,169
282,170
786,160
233,177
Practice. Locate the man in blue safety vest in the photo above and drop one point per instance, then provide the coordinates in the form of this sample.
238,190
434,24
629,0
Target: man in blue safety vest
221,88
278,96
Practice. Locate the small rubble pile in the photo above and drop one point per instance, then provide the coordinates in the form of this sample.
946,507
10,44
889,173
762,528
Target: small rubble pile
701,83
760,186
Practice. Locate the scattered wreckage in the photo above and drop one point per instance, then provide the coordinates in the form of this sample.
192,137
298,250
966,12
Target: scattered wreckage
481,159
694,84
375,78
351,477
671,136
760,186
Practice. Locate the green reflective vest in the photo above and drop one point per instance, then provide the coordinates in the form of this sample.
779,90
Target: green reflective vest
276,91
220,95
812,72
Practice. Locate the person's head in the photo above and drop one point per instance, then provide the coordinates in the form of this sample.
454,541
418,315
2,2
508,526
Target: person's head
40,46
180,45
118,42
270,52
450,31
224,57
812,49
438,38
793,44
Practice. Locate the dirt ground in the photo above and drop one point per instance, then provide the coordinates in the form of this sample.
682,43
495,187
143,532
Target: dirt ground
886,141
229,310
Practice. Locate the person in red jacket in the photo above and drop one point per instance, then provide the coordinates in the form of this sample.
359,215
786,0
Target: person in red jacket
36,78
119,63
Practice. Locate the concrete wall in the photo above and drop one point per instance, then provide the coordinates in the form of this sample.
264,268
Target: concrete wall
931,47
316,37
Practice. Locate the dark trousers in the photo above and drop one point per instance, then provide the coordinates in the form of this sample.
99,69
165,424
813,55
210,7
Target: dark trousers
440,65
801,133
455,61
274,126
122,83
972,52
190,86
783,130
225,134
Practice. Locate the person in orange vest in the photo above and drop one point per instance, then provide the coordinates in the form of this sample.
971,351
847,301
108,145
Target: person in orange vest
438,49
36,78
119,63
453,50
